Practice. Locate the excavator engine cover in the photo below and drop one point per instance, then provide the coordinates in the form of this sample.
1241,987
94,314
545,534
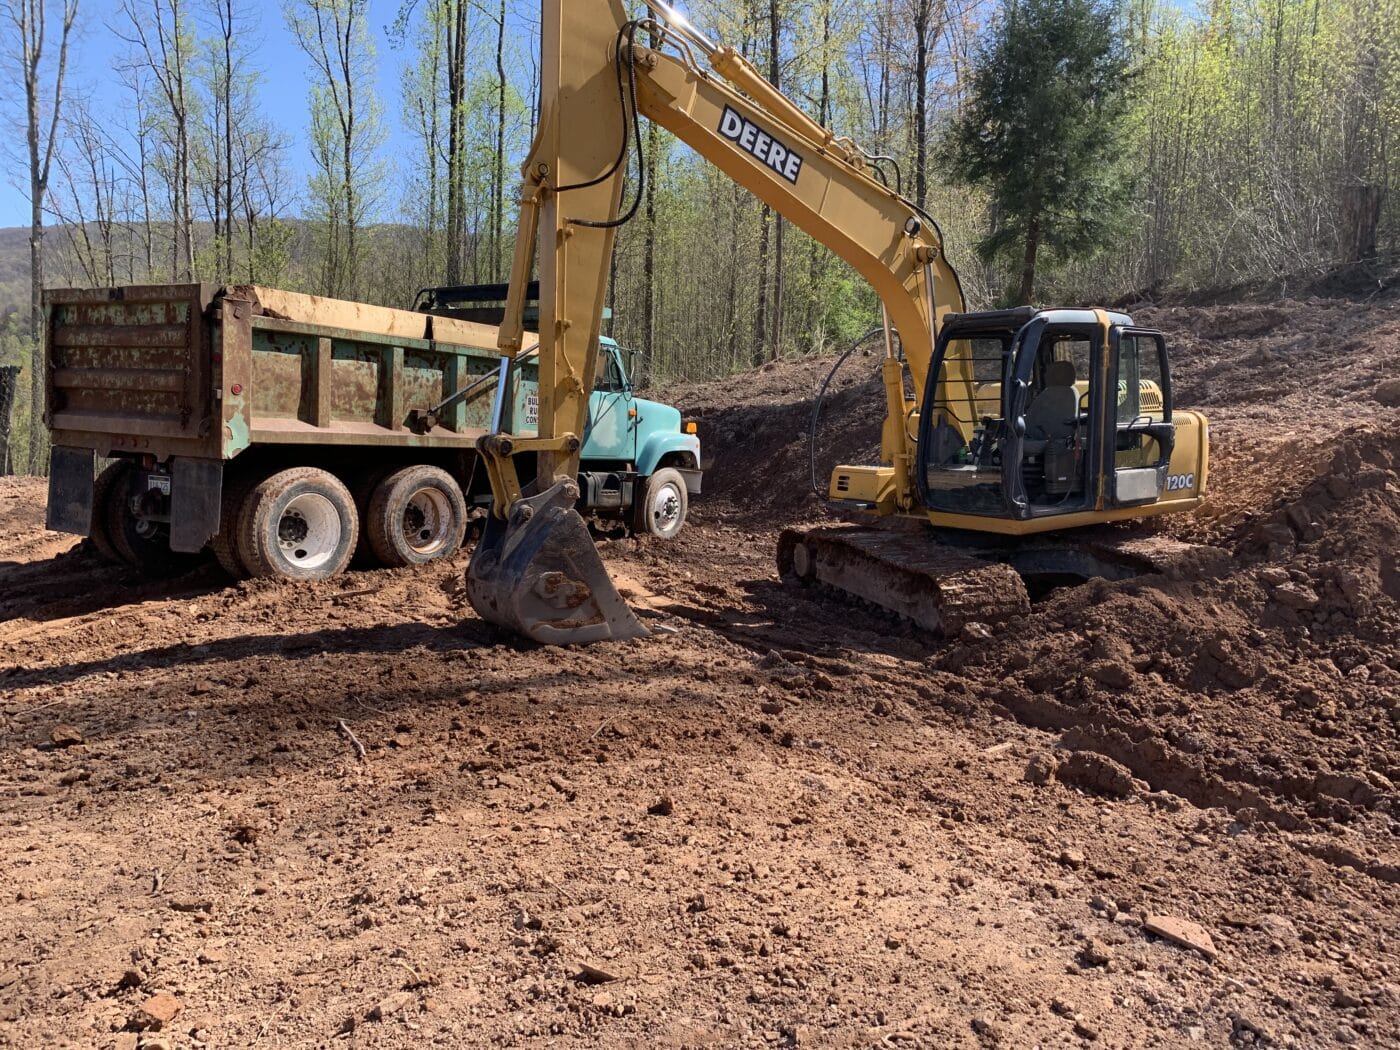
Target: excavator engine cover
538,573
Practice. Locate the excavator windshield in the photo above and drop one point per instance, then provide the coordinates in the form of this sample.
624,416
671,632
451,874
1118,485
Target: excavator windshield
962,461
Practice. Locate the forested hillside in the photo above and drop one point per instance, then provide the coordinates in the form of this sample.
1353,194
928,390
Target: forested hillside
1257,138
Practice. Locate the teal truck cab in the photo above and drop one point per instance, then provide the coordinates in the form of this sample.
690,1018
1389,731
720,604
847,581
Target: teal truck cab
640,461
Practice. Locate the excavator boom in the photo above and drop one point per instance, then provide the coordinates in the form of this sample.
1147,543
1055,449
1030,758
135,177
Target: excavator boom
597,79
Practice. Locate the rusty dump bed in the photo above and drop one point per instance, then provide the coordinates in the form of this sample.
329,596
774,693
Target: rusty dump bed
206,372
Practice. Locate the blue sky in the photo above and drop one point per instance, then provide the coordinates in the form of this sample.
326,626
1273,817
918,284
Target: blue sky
284,89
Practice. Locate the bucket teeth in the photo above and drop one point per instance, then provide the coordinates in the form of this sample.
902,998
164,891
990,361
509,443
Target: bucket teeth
538,574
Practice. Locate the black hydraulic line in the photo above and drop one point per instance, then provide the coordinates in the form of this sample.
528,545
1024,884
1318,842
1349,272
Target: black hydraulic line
628,32
821,397
622,152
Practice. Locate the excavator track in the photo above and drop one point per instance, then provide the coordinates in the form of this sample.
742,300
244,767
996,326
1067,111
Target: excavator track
909,573
942,587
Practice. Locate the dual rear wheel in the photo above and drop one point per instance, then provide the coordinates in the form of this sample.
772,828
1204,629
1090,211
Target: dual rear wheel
304,523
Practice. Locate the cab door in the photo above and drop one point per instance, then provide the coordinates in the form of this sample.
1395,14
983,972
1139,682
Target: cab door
611,433
1140,430
1050,406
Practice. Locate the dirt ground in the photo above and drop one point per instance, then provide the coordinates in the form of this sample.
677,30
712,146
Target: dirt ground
784,820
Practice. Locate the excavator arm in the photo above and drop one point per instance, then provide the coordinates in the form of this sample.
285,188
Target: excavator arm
597,78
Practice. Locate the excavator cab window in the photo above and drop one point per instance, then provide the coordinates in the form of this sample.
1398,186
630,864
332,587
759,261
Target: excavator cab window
961,426
1054,449
1143,434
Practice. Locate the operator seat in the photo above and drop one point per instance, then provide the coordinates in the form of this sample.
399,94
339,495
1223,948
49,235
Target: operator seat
1051,415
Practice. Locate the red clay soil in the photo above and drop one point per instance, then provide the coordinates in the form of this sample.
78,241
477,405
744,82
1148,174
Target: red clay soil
1156,812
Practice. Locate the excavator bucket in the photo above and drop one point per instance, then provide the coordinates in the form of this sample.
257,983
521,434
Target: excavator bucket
539,574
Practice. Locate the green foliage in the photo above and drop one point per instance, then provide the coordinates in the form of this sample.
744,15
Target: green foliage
1043,130
17,349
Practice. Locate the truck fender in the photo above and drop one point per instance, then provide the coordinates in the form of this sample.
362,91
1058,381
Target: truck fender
657,446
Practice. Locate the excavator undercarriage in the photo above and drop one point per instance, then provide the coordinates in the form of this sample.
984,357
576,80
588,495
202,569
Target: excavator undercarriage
944,580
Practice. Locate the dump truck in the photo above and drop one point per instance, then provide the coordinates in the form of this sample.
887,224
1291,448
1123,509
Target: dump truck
289,433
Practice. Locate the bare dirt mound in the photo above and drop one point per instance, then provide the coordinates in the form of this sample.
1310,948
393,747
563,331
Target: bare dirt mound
1269,686
754,432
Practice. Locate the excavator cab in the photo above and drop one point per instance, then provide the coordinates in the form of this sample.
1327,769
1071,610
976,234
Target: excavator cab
1039,414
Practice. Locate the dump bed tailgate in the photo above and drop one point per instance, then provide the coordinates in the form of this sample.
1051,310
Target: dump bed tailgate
133,366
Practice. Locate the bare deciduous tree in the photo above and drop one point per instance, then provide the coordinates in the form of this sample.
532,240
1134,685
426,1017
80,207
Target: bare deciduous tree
42,73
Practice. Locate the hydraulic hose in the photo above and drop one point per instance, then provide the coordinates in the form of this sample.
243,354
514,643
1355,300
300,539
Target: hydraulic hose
821,397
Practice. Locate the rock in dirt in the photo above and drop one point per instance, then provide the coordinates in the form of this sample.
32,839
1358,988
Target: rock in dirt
1112,674
161,1009
390,1005
662,807
1388,392
1183,932
1072,858
1094,953
988,1032
1096,773
65,736
1040,769
590,973
1296,596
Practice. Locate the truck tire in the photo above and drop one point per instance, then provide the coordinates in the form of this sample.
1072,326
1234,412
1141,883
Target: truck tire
662,508
225,542
98,531
416,515
299,524
362,489
144,545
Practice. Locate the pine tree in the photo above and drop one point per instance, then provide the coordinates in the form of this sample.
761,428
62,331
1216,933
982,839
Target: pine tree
1043,131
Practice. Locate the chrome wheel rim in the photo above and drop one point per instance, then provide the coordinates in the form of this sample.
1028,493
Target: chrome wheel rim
427,521
666,508
309,531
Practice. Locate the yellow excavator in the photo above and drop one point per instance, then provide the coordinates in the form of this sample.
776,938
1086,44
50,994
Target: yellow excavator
1002,428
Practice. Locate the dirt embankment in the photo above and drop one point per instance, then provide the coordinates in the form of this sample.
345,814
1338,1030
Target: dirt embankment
785,820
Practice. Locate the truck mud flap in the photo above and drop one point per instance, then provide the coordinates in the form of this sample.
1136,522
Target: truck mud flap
539,574
194,510
70,490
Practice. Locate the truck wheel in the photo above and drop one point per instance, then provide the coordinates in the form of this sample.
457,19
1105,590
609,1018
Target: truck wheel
142,544
362,488
225,543
299,524
416,515
662,509
98,532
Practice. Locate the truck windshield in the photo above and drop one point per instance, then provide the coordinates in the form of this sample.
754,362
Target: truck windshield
608,375
960,448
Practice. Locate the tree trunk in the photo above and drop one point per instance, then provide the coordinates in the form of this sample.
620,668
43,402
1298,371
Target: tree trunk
1028,262
1360,219
456,147
30,21
775,339
226,12
922,44
498,173
814,261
